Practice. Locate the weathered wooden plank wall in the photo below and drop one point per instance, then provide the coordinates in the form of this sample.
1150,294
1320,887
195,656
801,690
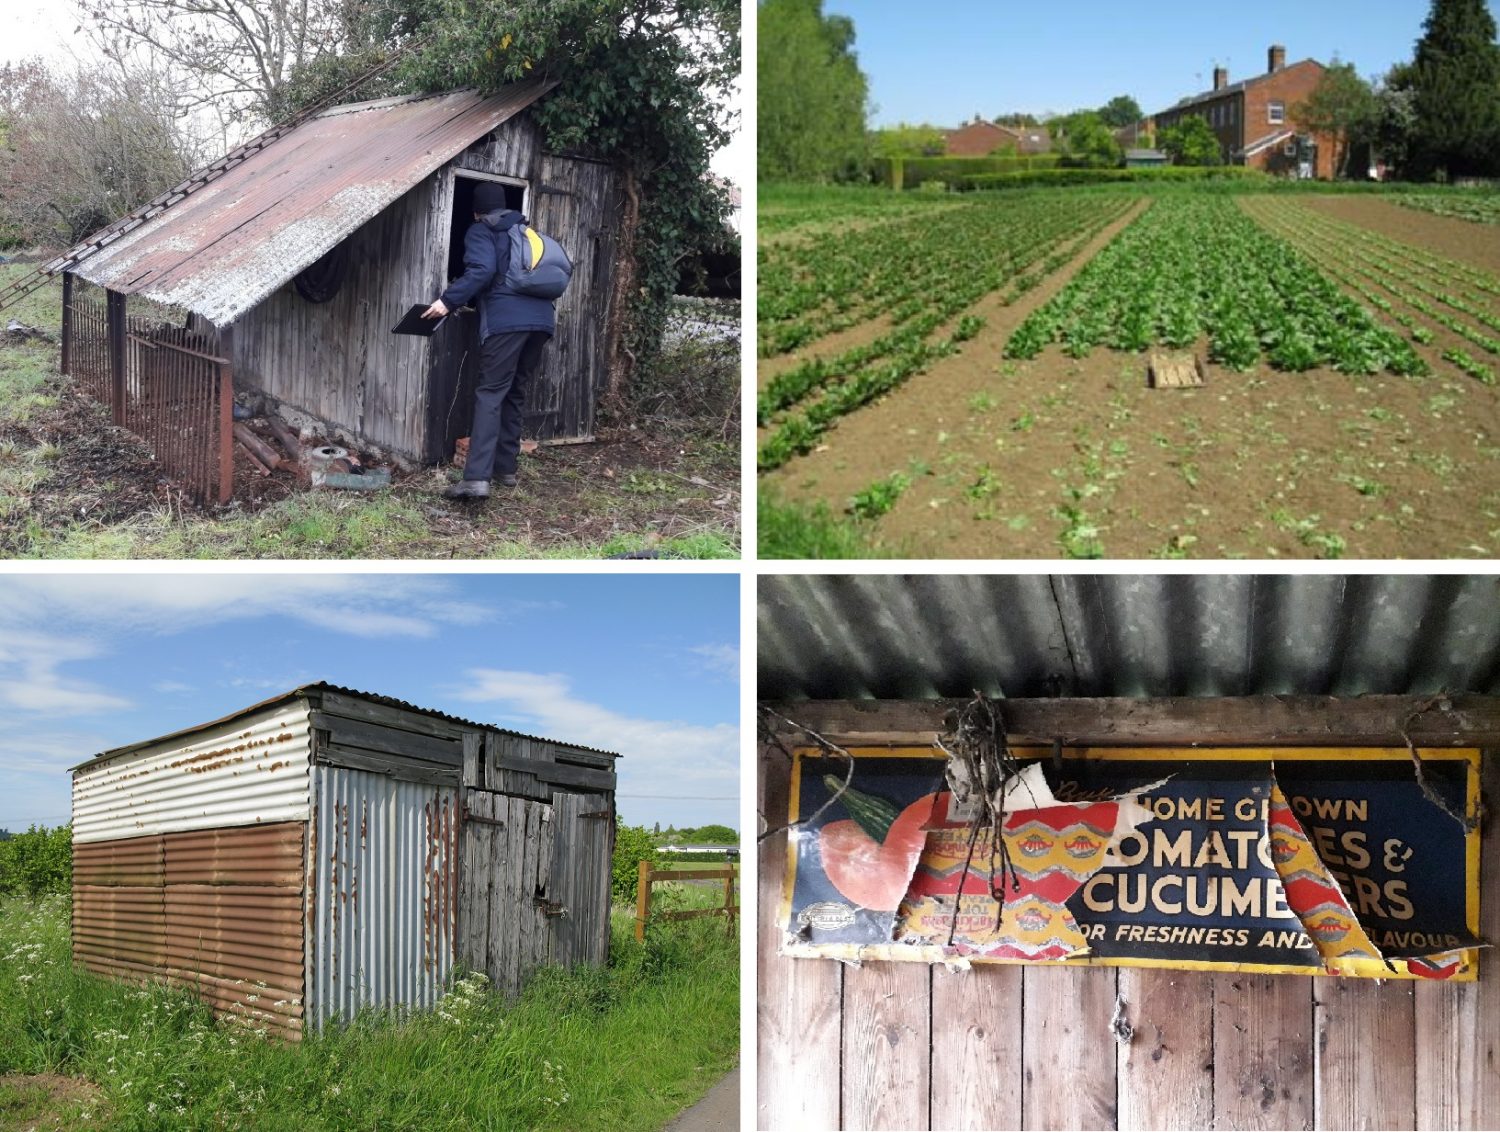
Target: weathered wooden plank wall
1030,1047
339,361
534,884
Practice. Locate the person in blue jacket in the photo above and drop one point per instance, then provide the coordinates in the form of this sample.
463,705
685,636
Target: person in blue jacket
513,331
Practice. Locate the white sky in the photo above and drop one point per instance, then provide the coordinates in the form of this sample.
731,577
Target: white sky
45,28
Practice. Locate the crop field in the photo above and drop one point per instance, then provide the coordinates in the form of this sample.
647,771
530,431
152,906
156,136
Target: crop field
1480,207
972,382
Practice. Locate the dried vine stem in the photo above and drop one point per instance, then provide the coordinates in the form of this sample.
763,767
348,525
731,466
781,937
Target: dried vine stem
1442,703
979,749
770,735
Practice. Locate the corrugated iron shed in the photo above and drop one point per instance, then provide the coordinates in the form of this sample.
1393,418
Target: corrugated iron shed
227,246
923,637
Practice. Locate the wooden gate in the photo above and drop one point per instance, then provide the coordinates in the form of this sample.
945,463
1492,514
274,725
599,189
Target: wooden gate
534,884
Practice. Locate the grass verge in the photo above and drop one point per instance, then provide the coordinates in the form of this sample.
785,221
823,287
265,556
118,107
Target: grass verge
627,1046
800,530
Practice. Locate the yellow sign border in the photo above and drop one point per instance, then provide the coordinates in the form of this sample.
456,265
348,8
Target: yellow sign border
1469,755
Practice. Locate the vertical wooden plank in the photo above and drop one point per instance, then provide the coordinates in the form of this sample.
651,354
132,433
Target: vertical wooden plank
1069,1078
472,741
976,1047
1263,1051
887,1045
1362,1082
1166,1073
1458,1024
799,1004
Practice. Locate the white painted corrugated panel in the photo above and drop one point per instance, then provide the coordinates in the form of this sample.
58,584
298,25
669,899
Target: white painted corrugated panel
245,772
381,909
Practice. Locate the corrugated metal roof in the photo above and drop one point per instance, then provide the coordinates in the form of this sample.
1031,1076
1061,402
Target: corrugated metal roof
302,690
925,637
227,246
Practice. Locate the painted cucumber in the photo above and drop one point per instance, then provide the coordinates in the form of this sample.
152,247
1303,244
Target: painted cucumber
872,814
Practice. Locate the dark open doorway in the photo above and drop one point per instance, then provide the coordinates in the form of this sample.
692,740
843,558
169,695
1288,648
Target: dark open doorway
463,214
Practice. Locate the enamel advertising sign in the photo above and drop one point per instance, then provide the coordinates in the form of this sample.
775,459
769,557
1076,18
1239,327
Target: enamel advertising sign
1298,861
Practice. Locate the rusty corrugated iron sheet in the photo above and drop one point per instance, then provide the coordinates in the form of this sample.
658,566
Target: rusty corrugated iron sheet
247,770
227,246
933,636
382,892
301,692
218,911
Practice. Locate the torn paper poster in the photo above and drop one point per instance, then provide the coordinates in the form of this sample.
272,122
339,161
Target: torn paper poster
1144,857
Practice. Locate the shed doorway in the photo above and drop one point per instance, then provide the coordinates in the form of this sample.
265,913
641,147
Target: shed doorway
464,184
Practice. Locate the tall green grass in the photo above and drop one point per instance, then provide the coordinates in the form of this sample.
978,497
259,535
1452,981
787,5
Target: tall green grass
626,1046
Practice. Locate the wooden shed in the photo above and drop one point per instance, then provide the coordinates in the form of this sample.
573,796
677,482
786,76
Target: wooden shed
296,261
330,850
1176,664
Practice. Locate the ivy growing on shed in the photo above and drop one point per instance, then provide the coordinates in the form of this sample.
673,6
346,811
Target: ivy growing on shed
642,84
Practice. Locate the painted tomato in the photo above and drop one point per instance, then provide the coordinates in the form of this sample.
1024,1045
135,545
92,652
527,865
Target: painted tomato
875,874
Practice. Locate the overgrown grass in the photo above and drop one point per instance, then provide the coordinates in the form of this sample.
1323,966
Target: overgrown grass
798,530
627,1046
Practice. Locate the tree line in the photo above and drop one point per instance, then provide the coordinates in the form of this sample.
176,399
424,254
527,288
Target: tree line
1435,117
37,862
160,87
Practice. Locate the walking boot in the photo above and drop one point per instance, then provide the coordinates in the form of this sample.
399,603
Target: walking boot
507,480
468,489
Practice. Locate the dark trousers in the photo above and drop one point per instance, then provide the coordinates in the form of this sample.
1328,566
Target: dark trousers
507,363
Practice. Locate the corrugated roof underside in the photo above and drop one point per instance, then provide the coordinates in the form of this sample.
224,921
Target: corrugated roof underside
923,637
226,247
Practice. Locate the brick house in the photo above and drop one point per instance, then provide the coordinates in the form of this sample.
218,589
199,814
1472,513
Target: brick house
980,138
1255,122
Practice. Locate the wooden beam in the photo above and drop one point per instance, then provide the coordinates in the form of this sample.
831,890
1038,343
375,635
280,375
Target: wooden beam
1463,720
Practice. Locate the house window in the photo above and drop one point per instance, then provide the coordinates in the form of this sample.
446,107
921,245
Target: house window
1234,113
1276,113
1290,149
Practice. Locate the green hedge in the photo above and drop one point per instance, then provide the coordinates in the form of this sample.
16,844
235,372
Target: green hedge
667,860
913,172
1054,178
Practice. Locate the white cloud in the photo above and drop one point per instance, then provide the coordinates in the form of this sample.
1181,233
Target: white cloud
665,757
723,660
30,680
357,605
47,754
171,687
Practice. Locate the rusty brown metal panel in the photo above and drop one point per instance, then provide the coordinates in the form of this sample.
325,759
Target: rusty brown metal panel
226,247
218,911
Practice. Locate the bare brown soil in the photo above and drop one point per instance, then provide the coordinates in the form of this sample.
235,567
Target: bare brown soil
1462,240
1061,457
41,1101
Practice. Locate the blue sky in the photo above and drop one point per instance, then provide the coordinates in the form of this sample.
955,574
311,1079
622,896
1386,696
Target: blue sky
646,665
945,62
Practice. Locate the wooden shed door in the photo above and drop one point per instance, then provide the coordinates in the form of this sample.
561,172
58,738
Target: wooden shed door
574,201
534,887
582,851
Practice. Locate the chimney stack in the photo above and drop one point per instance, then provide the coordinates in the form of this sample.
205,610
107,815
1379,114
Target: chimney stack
1221,77
1275,58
